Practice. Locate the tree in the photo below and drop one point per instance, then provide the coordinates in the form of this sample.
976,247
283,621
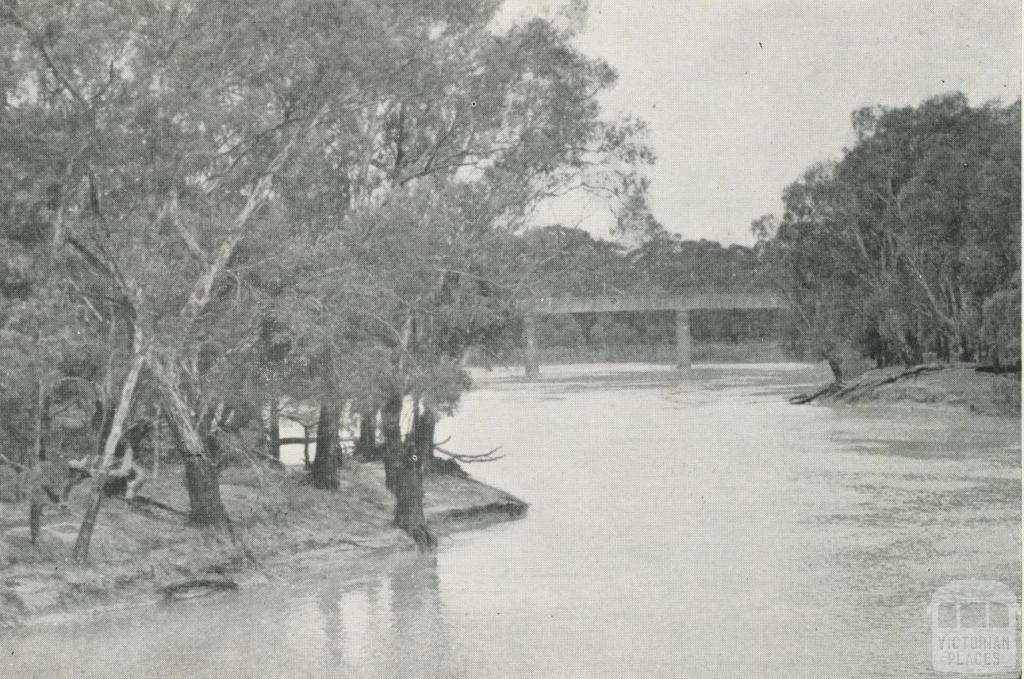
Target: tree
409,206
171,124
896,249
180,150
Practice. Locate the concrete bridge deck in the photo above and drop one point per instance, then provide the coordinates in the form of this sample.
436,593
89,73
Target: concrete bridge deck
681,304
546,306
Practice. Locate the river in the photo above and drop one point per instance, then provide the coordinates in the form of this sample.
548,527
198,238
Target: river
700,527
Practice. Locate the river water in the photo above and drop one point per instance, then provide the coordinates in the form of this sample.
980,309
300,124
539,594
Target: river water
678,528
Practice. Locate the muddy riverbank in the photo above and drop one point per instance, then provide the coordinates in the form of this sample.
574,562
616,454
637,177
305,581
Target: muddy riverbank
957,386
282,529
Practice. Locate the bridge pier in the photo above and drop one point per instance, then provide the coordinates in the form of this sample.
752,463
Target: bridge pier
681,304
530,345
684,342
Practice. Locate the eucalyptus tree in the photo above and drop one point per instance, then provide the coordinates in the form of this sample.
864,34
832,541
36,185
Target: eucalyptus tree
466,121
910,242
178,142
167,126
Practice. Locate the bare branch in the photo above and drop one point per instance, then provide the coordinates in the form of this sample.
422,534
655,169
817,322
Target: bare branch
489,456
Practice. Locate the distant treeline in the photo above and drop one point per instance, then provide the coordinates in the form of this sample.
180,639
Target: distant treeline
574,262
906,249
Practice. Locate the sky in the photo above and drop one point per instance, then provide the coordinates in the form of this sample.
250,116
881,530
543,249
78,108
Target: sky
741,96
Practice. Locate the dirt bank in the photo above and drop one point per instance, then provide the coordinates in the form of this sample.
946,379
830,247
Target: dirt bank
281,528
957,386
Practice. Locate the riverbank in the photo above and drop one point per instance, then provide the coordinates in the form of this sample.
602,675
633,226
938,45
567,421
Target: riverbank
957,386
282,528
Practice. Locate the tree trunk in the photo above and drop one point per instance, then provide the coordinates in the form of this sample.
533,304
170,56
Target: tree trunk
915,354
157,444
391,428
366,446
305,447
409,483
206,509
35,516
324,470
80,552
944,347
201,476
43,433
36,501
423,436
966,350
130,474
272,430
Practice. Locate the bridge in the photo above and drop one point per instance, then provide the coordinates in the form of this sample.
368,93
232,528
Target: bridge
681,304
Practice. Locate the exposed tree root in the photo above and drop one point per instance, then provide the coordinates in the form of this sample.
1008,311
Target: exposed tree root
425,539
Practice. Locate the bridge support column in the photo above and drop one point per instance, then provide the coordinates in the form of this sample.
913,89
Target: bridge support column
530,345
683,341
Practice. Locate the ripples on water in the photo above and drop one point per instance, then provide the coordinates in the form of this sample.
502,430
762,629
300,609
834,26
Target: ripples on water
678,528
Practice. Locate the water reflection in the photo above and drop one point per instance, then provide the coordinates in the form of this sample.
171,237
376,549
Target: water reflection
390,624
387,621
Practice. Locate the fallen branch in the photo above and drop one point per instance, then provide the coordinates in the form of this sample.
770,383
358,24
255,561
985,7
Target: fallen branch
489,456
807,398
867,383
17,465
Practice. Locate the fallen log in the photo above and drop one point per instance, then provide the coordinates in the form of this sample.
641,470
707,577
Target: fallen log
190,589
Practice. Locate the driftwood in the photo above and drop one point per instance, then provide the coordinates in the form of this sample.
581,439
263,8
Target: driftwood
188,589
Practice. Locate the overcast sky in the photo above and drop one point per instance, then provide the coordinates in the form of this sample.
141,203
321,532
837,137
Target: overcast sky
742,95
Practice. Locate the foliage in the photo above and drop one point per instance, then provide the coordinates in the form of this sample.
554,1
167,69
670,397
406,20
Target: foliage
910,244
242,201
